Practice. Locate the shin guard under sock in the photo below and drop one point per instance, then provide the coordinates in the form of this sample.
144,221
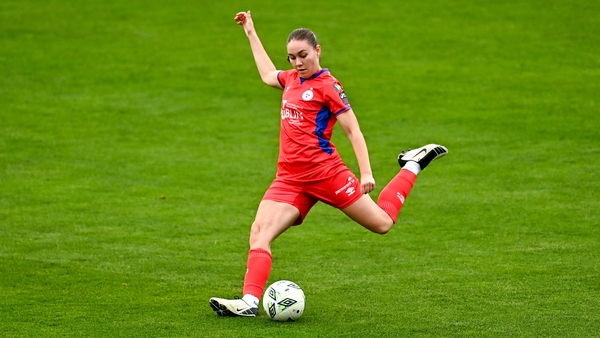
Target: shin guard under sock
257,274
393,195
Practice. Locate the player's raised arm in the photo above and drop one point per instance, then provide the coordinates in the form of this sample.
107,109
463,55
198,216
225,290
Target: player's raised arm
266,68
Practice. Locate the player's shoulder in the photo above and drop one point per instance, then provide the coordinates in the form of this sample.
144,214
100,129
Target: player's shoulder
328,76
289,73
285,76
330,80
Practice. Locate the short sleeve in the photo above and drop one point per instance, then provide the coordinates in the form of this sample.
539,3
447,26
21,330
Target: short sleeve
282,77
336,98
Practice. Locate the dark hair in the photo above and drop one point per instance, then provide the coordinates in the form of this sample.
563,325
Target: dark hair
303,34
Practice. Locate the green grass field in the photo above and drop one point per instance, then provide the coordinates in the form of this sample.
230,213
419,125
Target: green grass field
136,140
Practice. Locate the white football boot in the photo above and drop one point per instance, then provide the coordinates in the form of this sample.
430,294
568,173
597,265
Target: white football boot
233,307
423,156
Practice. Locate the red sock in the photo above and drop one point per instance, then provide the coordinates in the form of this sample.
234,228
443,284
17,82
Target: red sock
259,267
393,195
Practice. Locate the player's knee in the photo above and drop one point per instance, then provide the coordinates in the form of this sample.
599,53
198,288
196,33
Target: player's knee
259,235
255,231
382,230
383,227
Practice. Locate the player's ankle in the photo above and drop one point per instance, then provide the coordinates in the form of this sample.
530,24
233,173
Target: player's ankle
250,300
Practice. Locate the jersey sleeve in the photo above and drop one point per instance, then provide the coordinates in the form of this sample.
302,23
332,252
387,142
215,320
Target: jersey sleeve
336,98
283,76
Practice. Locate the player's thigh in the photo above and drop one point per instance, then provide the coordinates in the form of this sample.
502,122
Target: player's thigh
272,219
368,214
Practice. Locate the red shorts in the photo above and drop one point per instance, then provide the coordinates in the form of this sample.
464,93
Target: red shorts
339,191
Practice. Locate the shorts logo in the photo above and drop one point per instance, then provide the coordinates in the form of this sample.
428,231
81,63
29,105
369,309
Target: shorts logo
350,191
307,95
347,188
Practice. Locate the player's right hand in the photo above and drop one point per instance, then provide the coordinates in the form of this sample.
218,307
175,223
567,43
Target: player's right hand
245,20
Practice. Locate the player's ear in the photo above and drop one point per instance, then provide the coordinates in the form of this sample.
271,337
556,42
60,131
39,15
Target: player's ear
318,49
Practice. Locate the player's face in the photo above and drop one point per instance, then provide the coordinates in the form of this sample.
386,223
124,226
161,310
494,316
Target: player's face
304,57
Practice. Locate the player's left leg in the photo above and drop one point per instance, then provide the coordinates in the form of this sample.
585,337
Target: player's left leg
343,191
392,197
368,214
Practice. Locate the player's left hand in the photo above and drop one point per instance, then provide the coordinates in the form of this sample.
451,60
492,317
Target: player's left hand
367,183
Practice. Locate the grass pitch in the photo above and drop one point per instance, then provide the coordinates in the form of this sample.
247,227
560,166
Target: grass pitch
136,141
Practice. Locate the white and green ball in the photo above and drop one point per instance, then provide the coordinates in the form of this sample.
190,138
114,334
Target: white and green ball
284,301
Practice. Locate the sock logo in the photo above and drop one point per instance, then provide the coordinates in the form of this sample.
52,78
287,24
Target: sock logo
400,197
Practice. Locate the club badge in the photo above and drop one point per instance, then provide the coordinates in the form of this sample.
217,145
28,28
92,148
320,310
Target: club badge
307,95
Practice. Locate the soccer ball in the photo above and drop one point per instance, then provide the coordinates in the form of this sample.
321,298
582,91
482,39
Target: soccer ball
284,301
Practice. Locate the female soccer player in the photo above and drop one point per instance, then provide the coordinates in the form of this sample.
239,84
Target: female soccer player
309,166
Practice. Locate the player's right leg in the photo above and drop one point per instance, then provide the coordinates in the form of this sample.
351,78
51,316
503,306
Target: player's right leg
233,307
272,219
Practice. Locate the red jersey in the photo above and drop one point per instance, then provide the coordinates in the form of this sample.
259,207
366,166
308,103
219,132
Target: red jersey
308,113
